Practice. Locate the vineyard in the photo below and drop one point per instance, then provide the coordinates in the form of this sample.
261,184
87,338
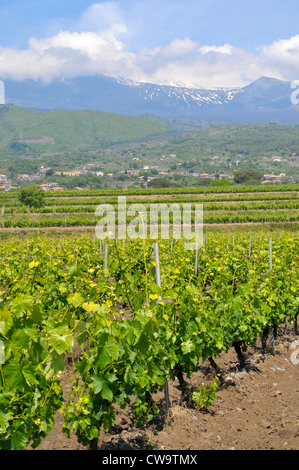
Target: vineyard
131,316
253,205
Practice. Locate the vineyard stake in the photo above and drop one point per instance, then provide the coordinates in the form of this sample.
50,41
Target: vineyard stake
2,353
106,259
270,254
158,282
196,258
166,391
249,254
270,267
157,267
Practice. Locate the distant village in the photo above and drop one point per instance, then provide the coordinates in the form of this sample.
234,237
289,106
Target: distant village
138,173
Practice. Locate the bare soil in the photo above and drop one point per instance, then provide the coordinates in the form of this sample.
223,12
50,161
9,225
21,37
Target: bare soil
256,408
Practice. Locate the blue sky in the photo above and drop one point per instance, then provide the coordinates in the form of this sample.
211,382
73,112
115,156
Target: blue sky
202,42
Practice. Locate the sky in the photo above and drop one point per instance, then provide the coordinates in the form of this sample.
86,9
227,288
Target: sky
203,43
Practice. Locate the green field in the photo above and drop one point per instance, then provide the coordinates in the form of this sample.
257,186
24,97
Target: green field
276,207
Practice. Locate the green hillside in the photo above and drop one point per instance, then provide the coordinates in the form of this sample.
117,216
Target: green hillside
27,130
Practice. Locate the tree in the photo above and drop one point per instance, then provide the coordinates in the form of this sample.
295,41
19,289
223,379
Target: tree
243,176
220,183
158,183
33,196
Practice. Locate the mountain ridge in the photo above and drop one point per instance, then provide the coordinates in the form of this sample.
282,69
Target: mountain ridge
264,100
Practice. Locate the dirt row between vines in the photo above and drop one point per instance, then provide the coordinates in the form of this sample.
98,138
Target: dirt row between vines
256,408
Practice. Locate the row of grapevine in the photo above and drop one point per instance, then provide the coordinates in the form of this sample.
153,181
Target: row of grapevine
57,220
216,206
269,188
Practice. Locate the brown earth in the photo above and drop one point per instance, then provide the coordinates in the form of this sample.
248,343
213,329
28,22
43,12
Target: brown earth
256,408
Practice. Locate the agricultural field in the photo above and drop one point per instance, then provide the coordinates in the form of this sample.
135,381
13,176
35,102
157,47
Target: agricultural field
103,332
275,206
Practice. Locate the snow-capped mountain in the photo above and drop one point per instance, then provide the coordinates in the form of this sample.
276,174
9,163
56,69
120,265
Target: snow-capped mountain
264,100
183,96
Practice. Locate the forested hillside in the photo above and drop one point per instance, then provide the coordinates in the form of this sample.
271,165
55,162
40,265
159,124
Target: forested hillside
31,131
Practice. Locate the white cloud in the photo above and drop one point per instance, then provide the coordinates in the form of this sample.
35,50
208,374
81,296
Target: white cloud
189,62
67,55
282,58
100,16
206,66
99,47
225,49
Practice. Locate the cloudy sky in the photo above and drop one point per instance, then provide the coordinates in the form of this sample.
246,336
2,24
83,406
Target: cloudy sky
206,43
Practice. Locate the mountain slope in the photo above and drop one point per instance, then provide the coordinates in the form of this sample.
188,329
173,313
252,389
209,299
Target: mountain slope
60,130
264,100
117,96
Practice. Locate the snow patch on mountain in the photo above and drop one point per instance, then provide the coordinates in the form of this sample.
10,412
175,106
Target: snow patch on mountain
182,94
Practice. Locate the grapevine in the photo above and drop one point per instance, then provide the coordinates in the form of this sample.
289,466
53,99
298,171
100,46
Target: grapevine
124,334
